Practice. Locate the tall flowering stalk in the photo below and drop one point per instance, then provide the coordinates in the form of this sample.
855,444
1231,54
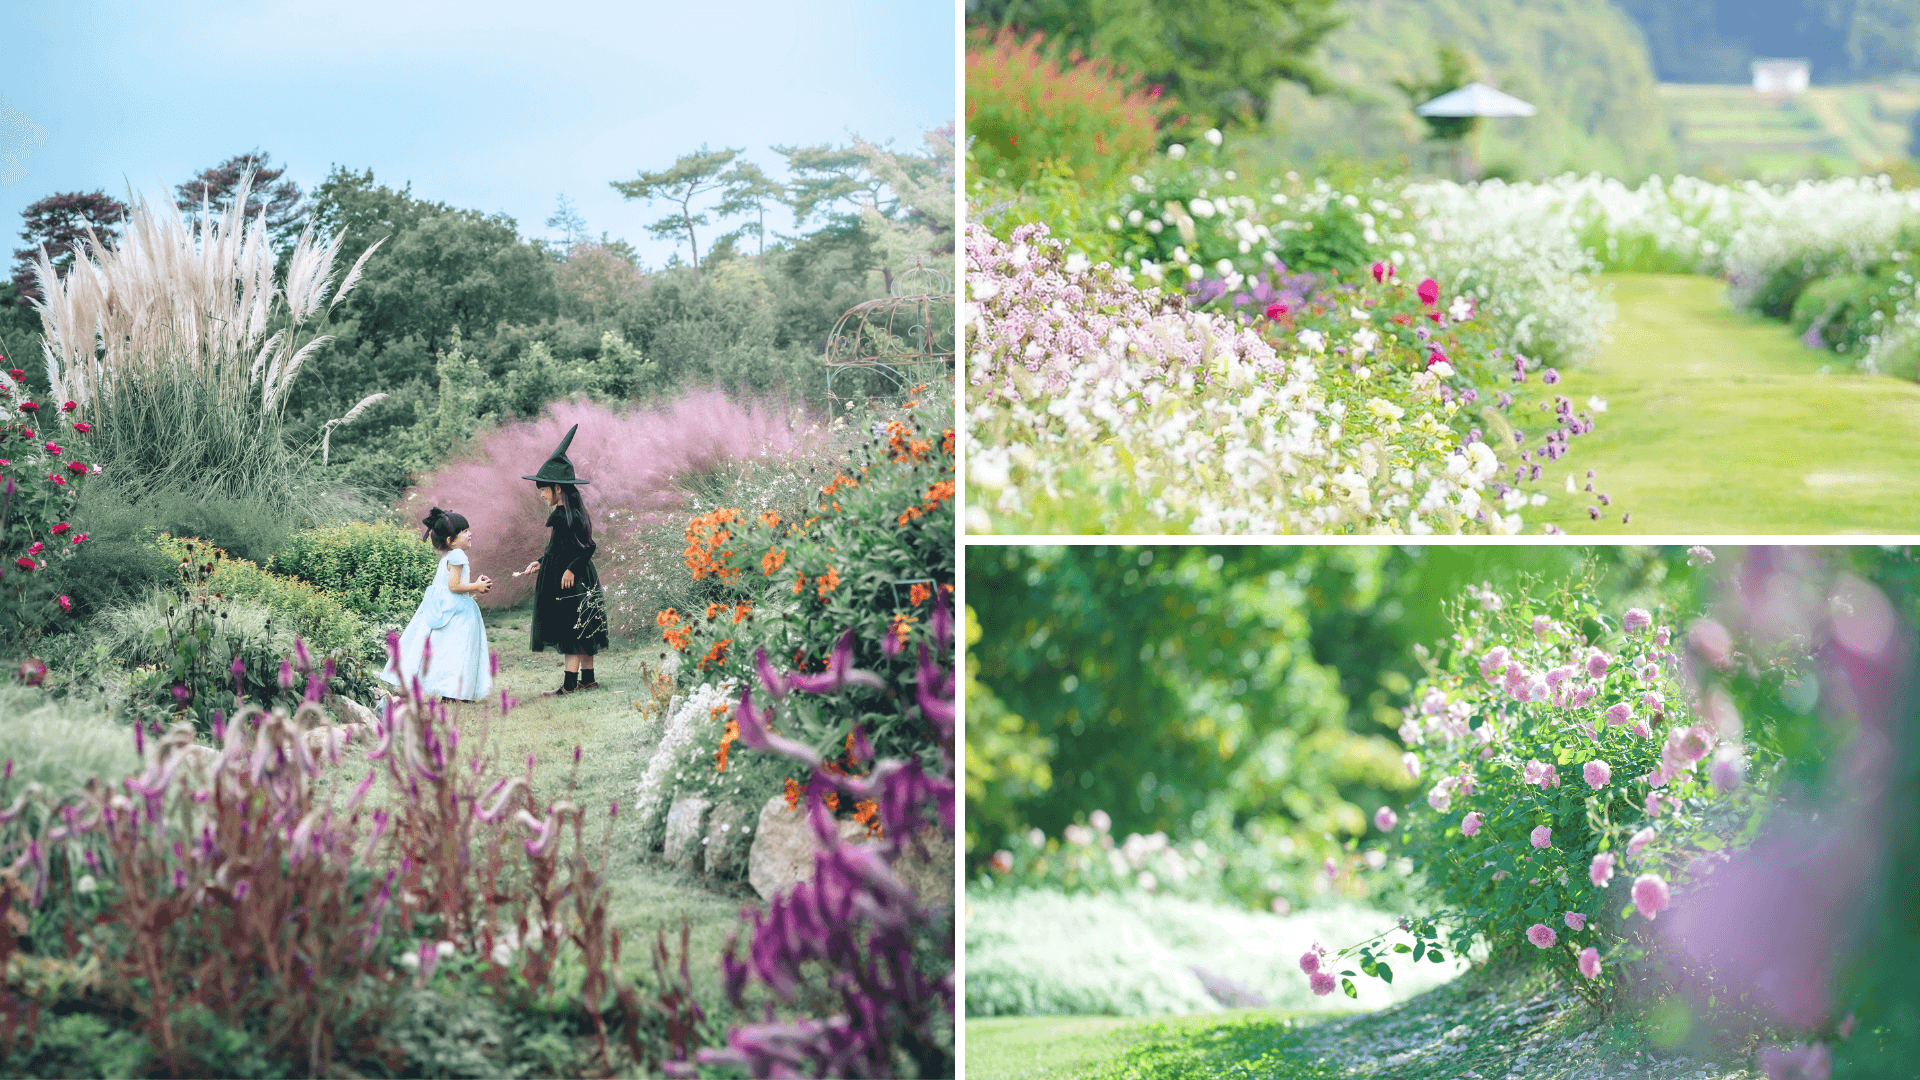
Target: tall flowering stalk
856,918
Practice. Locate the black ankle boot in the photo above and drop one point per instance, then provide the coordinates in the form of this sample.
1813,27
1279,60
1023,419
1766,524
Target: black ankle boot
586,680
571,684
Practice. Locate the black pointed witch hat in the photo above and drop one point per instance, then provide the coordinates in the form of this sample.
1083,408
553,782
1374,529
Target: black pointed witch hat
558,470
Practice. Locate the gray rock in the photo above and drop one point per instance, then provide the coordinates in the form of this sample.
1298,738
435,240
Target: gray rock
686,831
784,847
729,838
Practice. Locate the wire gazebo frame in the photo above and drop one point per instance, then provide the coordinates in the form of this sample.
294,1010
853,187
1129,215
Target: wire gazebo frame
898,335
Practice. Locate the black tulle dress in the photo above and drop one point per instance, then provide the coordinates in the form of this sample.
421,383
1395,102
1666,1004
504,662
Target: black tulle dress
571,620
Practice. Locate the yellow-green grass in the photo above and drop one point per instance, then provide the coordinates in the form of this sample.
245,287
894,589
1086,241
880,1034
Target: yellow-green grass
1056,1047
1720,422
1828,129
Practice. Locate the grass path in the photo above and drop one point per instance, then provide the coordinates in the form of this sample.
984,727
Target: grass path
1723,423
1486,1025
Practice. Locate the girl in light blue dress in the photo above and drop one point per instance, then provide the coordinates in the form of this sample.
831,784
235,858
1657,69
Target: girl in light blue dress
458,665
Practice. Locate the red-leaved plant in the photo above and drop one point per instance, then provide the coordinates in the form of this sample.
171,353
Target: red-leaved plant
235,886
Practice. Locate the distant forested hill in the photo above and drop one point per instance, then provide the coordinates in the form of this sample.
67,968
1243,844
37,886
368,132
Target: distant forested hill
1582,63
1712,41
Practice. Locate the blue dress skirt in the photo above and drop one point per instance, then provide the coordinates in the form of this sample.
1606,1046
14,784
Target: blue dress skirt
458,666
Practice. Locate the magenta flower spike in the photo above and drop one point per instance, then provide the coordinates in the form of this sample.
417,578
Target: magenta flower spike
393,646
775,683
942,624
755,733
840,671
300,653
286,675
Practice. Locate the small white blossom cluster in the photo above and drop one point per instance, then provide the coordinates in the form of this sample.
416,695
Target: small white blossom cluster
1090,395
689,721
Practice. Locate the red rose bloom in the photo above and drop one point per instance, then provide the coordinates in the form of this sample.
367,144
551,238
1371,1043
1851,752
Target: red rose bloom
66,603
60,528
17,374
57,479
83,427
77,466
69,406
28,406
79,538
25,563
54,449
26,433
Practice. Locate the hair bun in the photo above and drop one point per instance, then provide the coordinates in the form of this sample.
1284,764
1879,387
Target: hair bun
433,517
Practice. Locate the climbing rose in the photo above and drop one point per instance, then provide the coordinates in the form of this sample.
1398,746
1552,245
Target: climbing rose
1384,819
1542,935
1729,769
25,563
1429,291
1598,773
1310,961
1636,619
1601,871
1640,840
1322,983
1650,894
1412,762
1597,664
1542,836
1619,714
1576,921
83,427
77,466
1590,962
1472,824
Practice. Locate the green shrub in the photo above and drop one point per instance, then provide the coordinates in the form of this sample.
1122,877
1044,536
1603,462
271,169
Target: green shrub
1027,110
112,569
317,615
379,570
242,527
81,1045
61,743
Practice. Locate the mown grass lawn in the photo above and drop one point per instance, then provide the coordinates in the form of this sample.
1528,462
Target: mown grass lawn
1724,423
1489,1024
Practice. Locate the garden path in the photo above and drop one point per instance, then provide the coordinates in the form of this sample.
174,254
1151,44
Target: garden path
1723,423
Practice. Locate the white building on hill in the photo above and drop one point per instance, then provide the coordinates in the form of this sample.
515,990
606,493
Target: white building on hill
1779,76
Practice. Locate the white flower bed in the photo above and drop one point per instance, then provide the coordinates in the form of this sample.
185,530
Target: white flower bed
685,725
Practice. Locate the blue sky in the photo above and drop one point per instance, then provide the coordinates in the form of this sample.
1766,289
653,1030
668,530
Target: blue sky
483,105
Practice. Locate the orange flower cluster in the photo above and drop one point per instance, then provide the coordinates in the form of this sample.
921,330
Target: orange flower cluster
901,447
937,494
740,613
676,633
793,794
714,609
902,626
827,581
840,481
867,812
726,744
919,594
770,519
707,536
716,655
946,442
773,560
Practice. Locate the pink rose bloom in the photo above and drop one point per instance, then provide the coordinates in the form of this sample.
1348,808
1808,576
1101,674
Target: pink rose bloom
1660,777
1729,769
1576,921
1814,1062
1601,871
1429,290
1309,961
1640,840
1655,804
1641,729
1597,664
1322,982
1653,702
1711,642
1434,703
1499,875
1542,935
1535,772
1650,894
1440,799
1636,619
1471,825
1495,660
1411,761
1541,626
1662,636
1542,836
1722,716
1559,675
1583,695
1598,773
1590,962
1384,819
1465,783
1686,746
1002,861
1619,714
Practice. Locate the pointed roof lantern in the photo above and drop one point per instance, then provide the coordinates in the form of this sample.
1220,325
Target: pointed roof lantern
1476,99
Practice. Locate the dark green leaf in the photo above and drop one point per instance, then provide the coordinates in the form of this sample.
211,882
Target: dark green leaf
1347,985
1386,973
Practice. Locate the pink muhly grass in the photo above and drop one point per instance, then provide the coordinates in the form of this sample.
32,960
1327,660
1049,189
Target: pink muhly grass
1322,983
1650,894
1590,962
1471,825
636,464
1576,921
1601,871
1542,836
1542,935
1598,773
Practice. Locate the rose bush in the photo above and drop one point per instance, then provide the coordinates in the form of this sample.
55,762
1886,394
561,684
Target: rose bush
44,457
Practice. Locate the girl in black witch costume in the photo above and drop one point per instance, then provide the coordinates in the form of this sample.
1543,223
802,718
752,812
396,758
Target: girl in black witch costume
569,609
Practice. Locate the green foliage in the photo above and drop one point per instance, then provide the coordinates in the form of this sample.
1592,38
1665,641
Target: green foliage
689,177
1029,110
1007,757
1220,59
59,743
1712,41
321,618
83,1045
464,1032
1454,72
380,571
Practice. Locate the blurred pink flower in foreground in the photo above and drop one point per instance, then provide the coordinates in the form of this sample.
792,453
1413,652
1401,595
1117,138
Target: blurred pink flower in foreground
1542,935
1471,824
1322,983
1650,894
1729,769
1812,1062
1590,962
1384,819
1601,871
